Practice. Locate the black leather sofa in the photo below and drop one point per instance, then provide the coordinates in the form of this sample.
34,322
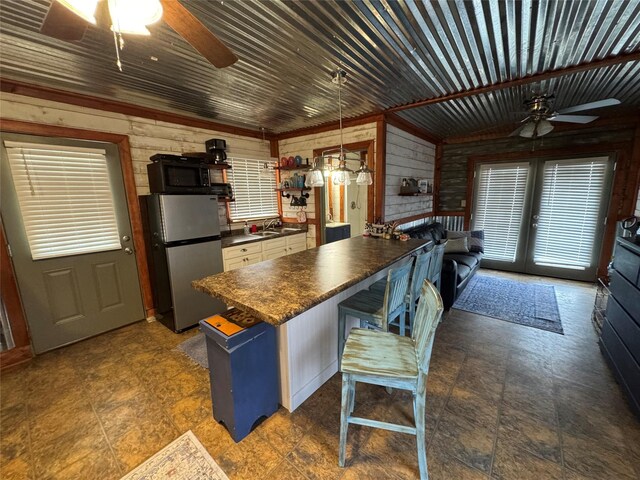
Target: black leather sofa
457,268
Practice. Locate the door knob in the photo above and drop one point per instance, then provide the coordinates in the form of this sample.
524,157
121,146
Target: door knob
534,225
128,251
536,217
126,238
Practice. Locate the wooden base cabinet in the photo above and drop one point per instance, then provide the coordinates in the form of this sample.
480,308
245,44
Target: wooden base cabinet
620,337
251,253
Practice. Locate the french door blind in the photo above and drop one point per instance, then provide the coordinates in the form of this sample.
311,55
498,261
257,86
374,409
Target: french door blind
571,198
499,203
254,192
65,198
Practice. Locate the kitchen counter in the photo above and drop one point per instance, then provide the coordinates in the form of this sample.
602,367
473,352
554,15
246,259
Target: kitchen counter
277,290
300,293
233,240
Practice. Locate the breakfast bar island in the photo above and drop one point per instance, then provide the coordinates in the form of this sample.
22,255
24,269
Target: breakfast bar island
299,294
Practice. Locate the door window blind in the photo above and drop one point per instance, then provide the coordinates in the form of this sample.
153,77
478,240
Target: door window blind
498,206
65,199
572,193
254,192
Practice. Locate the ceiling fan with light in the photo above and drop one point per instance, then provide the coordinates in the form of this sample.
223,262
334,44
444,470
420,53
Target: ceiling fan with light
541,114
68,20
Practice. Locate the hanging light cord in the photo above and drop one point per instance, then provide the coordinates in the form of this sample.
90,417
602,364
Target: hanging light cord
340,111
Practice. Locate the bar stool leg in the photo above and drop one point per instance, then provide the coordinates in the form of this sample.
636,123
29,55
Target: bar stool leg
342,321
344,414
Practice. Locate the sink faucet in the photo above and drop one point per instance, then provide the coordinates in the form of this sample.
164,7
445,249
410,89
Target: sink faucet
267,224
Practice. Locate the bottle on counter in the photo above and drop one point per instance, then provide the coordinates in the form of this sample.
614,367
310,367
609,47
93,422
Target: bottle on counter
246,228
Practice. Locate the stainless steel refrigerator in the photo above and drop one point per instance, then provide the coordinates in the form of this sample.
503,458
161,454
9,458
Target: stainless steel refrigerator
183,244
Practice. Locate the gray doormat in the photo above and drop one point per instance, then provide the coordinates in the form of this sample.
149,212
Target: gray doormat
529,304
196,349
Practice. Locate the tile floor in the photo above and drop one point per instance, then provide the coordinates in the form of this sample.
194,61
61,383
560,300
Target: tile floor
504,402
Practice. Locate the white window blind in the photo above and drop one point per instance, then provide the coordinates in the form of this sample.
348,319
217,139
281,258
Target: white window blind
572,193
499,202
65,199
255,194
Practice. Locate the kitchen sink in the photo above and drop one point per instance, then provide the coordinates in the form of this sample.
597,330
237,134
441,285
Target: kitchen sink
265,233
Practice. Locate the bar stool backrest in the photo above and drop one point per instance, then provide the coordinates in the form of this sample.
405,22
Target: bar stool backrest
427,318
395,293
420,273
435,268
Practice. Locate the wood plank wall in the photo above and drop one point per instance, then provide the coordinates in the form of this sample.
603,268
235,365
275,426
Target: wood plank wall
146,136
407,157
304,146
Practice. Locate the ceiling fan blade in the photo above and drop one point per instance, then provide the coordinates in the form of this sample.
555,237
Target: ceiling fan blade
516,132
607,102
573,118
196,34
63,24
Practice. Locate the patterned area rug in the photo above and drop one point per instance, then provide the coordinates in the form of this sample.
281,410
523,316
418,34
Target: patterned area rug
183,459
196,349
529,304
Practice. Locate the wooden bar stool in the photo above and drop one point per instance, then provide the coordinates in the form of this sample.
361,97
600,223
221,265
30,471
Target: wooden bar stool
392,361
419,274
375,310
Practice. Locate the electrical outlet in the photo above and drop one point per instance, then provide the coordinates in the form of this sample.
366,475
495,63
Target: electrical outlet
463,203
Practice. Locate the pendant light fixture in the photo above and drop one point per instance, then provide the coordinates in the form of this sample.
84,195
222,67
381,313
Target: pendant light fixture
364,174
315,175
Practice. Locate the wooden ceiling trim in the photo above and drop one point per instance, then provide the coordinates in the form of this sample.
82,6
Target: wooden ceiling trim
503,131
327,127
607,62
88,101
405,125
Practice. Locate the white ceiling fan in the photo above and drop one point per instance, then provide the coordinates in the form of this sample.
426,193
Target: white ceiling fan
541,114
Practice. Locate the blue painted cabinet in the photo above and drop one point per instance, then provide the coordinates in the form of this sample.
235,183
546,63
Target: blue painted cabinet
243,371
333,234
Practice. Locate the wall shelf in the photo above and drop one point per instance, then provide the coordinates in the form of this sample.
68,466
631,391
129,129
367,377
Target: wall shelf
415,194
218,166
297,167
302,189
226,200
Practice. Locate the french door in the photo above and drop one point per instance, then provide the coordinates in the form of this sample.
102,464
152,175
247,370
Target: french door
543,217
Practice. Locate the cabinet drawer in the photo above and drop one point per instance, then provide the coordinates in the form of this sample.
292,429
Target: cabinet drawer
241,250
274,253
274,244
627,295
297,242
239,262
627,329
625,368
627,263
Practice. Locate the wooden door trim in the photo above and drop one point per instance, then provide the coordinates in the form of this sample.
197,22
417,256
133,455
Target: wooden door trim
15,313
133,205
372,163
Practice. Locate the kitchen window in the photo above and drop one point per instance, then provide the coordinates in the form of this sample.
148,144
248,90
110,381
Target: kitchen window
254,192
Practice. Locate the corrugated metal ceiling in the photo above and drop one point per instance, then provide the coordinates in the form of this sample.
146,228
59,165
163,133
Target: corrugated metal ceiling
394,52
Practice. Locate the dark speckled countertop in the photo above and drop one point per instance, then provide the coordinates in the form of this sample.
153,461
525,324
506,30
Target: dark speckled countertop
277,290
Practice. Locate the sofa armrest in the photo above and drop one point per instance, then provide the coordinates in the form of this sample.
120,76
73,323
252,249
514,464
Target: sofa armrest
449,282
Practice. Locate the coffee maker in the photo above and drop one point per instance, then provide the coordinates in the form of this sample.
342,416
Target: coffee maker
629,229
217,147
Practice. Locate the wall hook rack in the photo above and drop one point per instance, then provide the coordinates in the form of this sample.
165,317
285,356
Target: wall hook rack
285,195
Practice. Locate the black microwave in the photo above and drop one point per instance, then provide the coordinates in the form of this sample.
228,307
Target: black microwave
178,176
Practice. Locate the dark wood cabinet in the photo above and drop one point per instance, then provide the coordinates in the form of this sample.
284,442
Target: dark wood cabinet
620,337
